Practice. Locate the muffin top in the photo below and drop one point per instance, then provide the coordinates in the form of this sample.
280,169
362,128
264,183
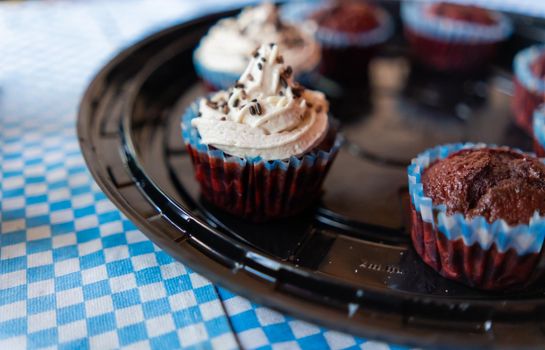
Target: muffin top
538,66
265,114
228,45
463,13
347,16
496,183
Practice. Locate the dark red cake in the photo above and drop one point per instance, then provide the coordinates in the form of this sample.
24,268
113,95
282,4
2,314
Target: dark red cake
493,183
452,37
350,17
464,13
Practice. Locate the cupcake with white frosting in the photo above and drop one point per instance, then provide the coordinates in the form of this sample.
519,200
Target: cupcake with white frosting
262,148
224,52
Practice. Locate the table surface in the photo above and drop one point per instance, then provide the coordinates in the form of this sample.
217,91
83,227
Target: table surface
74,272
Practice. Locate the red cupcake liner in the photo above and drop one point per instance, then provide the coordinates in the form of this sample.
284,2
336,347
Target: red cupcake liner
253,192
524,104
448,55
487,269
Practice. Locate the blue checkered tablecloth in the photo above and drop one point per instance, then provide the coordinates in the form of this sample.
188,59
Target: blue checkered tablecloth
74,272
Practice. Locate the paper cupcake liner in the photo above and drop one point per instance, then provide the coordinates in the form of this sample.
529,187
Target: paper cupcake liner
529,89
539,131
449,30
444,44
253,188
472,251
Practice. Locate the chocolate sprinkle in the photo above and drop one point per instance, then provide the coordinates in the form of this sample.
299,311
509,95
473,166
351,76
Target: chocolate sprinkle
280,59
223,119
297,90
288,71
271,45
263,59
281,93
255,53
211,104
252,110
258,108
235,102
254,100
259,66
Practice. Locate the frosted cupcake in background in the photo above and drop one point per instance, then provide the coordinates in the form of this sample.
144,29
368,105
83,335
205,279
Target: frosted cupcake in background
478,214
529,81
262,148
452,37
225,51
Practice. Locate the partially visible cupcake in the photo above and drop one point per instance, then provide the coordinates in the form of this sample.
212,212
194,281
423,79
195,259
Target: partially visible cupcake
529,81
349,33
452,37
478,214
262,148
225,51
539,131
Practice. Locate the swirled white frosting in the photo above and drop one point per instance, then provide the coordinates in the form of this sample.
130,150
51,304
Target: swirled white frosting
228,45
265,114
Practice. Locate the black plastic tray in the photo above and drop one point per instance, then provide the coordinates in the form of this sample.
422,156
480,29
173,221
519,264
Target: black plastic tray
347,264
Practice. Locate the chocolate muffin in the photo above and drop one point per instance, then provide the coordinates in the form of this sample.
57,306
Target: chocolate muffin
463,13
349,33
493,183
477,214
441,34
351,17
